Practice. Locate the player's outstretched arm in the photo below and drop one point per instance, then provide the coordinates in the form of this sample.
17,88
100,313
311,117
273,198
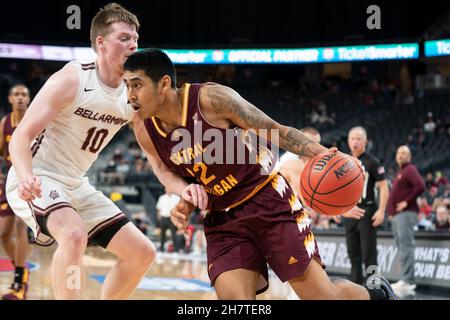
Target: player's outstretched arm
59,90
226,103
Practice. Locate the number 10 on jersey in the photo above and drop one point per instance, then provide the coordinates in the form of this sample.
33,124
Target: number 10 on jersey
94,139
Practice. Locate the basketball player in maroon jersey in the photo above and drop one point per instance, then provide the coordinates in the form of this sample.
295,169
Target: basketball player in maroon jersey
17,249
253,218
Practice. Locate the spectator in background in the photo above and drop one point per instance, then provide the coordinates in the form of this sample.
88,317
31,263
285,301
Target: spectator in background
431,194
424,207
442,222
122,170
444,200
402,208
165,203
429,181
429,126
117,198
440,180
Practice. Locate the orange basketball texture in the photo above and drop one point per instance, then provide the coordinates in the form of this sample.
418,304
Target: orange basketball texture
332,183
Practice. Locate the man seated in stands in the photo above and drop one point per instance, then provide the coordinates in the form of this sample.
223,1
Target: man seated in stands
442,222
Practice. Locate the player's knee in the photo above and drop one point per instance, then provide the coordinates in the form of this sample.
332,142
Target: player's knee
147,255
74,240
6,234
142,256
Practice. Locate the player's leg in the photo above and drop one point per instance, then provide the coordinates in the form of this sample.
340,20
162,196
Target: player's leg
293,254
66,226
22,248
314,284
6,235
236,267
109,228
237,284
21,273
136,254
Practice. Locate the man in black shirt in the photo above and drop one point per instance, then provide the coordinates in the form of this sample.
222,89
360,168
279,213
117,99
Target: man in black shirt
361,221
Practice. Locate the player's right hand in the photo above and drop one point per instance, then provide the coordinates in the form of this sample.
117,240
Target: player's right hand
355,213
29,188
196,194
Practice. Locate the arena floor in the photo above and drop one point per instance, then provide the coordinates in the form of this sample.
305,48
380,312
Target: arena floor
182,277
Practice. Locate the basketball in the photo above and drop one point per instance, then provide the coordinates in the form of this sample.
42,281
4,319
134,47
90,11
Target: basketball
332,183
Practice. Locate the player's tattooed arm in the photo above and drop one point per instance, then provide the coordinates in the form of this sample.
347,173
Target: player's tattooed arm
225,102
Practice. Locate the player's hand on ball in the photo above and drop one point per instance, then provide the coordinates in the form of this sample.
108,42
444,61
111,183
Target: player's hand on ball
195,194
29,188
355,213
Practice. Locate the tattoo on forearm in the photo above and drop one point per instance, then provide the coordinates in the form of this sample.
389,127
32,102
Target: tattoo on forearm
297,142
226,100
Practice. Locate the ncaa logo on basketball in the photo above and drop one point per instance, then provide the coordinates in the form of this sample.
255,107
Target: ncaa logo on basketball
346,167
323,161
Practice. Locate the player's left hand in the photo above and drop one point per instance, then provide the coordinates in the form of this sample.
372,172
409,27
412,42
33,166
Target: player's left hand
378,218
401,206
180,214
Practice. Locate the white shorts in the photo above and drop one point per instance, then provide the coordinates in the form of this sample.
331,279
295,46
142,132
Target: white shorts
101,217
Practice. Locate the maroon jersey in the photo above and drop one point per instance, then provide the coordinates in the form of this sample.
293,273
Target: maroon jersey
10,125
232,164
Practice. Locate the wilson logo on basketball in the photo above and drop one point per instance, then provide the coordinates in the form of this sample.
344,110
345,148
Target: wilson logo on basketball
346,167
323,161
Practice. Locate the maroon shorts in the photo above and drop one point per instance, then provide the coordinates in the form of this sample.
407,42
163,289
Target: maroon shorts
5,209
269,228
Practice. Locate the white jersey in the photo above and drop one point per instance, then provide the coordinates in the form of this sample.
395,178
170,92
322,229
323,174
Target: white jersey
73,140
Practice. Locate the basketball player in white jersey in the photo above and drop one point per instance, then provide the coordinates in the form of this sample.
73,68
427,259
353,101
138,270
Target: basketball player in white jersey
74,116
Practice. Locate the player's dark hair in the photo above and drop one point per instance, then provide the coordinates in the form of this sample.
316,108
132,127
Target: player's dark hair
154,62
17,85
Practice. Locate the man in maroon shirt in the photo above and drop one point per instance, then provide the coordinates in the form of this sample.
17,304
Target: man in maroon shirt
402,209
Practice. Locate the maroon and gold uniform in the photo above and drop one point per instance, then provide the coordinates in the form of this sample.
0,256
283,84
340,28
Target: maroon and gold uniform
253,217
8,129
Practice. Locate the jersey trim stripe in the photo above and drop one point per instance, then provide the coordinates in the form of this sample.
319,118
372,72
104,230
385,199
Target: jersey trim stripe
185,104
13,120
37,144
253,192
183,114
158,128
50,209
104,224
